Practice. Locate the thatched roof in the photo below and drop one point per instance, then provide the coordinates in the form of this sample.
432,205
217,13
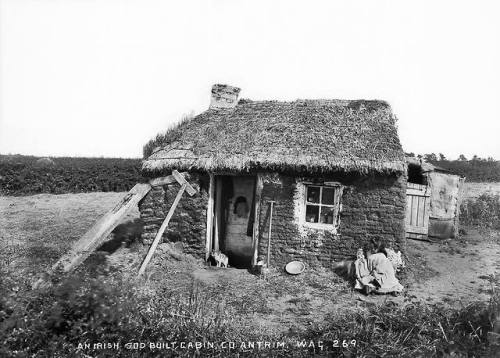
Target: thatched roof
304,135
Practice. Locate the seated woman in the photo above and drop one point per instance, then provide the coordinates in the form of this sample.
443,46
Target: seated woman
379,272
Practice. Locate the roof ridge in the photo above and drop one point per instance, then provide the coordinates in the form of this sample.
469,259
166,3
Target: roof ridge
316,101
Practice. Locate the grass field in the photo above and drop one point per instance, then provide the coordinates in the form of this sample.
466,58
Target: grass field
181,298
474,190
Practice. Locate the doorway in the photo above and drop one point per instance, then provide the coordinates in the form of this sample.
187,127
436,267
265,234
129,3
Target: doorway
234,217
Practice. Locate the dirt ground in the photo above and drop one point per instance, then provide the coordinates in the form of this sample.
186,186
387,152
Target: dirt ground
36,230
458,271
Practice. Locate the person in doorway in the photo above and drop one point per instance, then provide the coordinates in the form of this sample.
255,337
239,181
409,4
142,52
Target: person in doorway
241,207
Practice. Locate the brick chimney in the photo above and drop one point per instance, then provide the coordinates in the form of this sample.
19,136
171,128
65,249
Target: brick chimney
224,96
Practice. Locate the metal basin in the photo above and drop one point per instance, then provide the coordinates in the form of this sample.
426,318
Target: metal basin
295,267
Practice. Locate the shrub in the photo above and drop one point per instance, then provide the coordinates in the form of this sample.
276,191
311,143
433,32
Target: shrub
76,309
483,211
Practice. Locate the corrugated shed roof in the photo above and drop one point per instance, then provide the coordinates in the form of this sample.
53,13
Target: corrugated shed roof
303,135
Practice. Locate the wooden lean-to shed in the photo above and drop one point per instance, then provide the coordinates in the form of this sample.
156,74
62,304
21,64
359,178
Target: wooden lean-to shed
333,171
433,201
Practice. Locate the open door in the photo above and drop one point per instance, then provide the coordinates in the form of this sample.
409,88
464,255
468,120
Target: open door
233,218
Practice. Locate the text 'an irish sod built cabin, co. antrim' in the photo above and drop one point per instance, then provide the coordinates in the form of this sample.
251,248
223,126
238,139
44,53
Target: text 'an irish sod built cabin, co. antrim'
334,170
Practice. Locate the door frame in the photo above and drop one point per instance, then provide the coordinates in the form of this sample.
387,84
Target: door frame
213,207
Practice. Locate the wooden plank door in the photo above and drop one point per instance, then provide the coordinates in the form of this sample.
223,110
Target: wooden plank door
417,209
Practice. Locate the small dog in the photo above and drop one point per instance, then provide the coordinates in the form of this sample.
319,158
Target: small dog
220,259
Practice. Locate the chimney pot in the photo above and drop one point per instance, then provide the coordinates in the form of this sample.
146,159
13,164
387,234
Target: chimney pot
224,96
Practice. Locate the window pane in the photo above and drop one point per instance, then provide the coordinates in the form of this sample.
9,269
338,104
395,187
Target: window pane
328,196
313,194
326,215
312,213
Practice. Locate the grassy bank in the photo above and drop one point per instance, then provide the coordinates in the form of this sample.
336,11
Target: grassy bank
107,308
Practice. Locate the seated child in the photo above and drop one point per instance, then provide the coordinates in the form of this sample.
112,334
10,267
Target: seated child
363,278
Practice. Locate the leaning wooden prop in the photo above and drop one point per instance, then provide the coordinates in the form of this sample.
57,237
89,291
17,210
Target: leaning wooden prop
185,186
98,233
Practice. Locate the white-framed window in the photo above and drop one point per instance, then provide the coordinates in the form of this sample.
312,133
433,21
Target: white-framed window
322,205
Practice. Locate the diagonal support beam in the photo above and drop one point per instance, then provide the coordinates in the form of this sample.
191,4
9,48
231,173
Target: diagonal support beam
169,179
182,181
163,227
98,233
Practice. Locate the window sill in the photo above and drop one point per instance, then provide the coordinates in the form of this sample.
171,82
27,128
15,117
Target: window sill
317,226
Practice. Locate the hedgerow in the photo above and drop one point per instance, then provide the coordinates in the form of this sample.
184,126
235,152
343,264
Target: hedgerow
483,211
26,175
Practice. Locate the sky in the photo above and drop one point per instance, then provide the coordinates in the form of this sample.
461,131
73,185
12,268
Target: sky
100,78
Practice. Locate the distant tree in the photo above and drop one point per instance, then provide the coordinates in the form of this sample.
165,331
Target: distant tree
442,157
462,158
410,154
475,158
430,157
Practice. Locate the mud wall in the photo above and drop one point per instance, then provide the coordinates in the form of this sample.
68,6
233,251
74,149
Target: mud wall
372,207
188,224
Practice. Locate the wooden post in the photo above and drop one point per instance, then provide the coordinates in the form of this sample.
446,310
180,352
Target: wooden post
269,237
218,212
460,195
170,179
256,223
181,180
185,186
159,235
210,216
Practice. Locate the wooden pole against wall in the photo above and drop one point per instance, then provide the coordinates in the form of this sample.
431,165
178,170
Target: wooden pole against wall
163,226
98,233
269,237
185,186
256,223
217,213
210,217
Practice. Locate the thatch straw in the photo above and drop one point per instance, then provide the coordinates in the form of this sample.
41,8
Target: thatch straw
305,135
